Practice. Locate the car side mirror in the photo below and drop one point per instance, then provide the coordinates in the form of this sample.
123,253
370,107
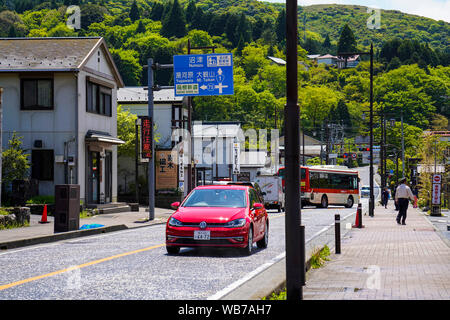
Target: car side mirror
257,205
175,205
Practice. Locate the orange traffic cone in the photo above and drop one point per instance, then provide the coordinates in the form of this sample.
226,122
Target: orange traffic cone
358,219
44,215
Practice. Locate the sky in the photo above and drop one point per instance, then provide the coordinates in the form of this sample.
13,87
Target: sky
435,9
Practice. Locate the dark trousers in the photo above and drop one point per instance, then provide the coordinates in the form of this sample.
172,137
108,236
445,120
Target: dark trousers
402,208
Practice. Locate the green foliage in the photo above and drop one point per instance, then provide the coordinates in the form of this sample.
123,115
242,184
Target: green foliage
41,200
411,68
126,132
127,63
347,41
319,256
15,162
174,25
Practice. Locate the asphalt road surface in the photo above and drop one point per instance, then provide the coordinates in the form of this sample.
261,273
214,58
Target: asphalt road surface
133,264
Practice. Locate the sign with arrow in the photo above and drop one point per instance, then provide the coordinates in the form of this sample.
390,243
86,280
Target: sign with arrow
203,74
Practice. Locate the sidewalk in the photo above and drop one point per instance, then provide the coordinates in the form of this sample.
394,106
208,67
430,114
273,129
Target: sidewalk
40,233
385,260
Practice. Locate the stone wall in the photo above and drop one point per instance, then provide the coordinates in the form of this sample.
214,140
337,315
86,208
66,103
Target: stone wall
18,215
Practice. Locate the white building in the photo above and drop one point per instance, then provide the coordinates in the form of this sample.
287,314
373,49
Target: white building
169,113
60,96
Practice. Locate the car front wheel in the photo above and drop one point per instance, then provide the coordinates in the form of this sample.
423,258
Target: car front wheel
248,249
265,240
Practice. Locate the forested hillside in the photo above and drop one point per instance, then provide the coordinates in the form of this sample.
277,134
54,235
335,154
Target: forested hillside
412,72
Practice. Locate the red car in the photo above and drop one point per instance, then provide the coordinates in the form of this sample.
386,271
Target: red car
218,216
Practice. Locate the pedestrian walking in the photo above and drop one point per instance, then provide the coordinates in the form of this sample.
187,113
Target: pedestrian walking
385,197
402,194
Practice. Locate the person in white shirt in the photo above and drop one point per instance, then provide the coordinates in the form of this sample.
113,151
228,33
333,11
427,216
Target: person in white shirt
402,194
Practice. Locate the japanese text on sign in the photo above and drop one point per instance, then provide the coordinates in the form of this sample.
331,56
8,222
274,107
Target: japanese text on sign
146,134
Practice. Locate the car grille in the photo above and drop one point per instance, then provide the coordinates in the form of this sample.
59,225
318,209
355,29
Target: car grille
208,225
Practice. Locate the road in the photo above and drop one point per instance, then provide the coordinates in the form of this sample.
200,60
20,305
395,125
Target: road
133,264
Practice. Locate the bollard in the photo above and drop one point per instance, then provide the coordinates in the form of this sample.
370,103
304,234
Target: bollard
337,233
360,225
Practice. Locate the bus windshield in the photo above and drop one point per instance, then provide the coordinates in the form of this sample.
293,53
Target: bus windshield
281,173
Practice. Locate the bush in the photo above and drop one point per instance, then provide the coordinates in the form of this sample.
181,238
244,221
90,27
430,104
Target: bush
41,200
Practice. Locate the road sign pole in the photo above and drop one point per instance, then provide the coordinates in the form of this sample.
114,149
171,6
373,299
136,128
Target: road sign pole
151,164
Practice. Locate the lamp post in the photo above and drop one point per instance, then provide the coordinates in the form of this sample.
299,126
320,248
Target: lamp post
345,55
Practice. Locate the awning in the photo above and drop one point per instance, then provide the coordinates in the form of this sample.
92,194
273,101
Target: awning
97,136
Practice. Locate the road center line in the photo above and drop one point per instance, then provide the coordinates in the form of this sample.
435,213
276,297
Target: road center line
13,284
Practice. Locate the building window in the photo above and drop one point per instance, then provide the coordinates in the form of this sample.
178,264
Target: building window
42,164
98,99
37,94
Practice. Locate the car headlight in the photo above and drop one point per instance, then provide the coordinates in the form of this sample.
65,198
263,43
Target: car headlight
235,223
175,223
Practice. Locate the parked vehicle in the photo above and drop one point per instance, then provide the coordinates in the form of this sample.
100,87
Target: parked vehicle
365,192
272,191
218,216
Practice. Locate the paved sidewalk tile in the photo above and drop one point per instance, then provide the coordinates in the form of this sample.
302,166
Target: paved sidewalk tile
385,260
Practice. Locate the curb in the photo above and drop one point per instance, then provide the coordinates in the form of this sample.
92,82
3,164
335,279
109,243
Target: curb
68,235
59,236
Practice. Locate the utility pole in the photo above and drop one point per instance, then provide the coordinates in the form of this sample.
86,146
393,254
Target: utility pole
1,139
295,237
372,198
151,161
403,145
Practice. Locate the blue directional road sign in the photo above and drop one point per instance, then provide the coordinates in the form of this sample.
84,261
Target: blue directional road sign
203,74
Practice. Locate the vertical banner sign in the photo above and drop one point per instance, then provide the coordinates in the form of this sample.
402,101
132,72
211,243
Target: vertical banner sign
146,134
181,171
436,190
236,156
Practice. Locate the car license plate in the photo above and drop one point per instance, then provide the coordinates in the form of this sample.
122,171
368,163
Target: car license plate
201,235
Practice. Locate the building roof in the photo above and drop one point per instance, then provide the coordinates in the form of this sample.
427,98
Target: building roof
277,60
51,54
140,95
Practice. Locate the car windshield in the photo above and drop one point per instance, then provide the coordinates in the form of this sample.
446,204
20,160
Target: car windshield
231,198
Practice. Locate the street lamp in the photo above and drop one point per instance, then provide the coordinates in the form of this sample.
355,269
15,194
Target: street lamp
345,55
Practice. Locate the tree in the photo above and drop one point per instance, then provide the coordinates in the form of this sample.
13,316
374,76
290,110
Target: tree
126,132
140,28
127,63
174,25
280,26
190,11
347,41
91,13
134,12
15,162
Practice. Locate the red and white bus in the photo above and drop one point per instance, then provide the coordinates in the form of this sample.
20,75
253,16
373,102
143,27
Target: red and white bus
321,186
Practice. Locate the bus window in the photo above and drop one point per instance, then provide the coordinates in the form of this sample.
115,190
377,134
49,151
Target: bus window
303,174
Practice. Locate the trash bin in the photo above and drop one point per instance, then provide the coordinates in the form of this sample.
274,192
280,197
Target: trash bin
67,207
